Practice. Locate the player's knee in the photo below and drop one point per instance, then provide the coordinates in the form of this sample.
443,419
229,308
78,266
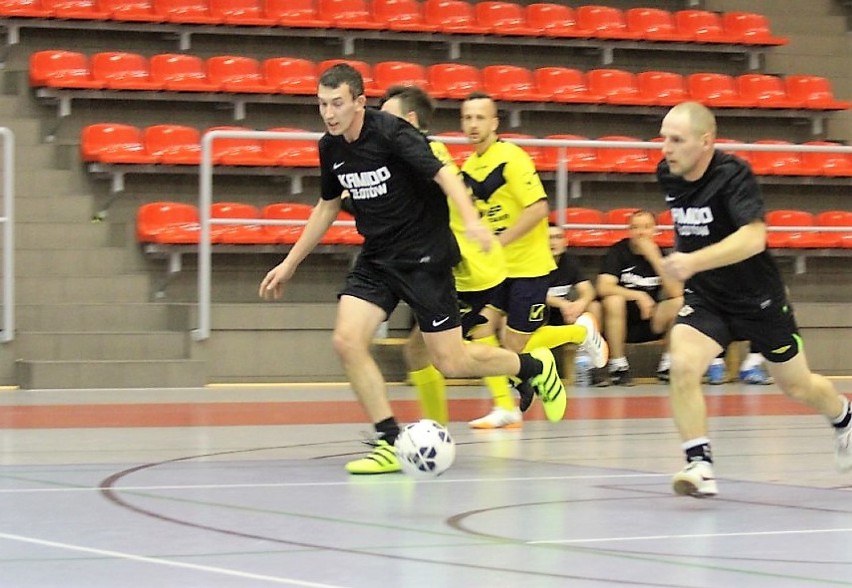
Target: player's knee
450,365
346,345
684,369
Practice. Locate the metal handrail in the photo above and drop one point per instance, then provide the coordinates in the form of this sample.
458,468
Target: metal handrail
205,196
8,221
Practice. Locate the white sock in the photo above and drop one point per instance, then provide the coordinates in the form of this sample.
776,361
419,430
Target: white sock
752,360
618,363
665,362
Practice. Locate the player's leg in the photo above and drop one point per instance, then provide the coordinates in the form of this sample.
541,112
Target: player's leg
427,380
615,331
661,324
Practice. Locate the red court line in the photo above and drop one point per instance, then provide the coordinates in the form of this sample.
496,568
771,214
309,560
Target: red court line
223,414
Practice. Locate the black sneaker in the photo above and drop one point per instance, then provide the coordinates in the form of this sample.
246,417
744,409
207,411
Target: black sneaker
600,377
663,375
621,377
527,394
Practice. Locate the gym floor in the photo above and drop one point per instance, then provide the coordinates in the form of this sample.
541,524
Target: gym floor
244,486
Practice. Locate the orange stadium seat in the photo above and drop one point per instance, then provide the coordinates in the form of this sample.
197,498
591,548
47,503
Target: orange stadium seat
765,91
702,26
237,234
402,15
554,20
744,155
504,18
664,237
715,90
61,69
131,10
453,80
295,13
796,239
24,8
512,83
565,85
616,86
620,216
827,164
604,22
662,88
291,152
178,72
813,92
121,70
348,14
114,143
75,9
363,68
585,237
653,24
241,12
780,163
167,222
291,75
459,151
186,11
750,29
534,152
173,144
453,16
237,74
399,73
629,160
837,218
237,151
286,211
577,159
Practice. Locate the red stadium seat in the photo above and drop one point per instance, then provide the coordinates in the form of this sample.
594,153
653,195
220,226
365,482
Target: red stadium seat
121,70
241,12
554,20
813,92
828,164
453,80
363,68
620,216
237,74
238,234
348,14
178,72
628,160
186,11
604,22
715,90
131,10
744,155
61,69
459,151
24,9
616,86
795,239
511,83
565,85
291,152
662,88
286,211
586,237
836,218
577,159
402,15
534,152
504,18
399,73
453,16
291,75
167,222
702,26
750,29
664,237
173,144
234,151
342,235
653,24
114,143
780,163
765,91
75,9
295,13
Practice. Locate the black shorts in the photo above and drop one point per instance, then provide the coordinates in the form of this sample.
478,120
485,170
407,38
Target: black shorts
524,301
430,292
639,329
471,304
772,330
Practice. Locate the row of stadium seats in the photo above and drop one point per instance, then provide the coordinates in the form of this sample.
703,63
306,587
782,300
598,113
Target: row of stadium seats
174,223
432,16
169,144
118,70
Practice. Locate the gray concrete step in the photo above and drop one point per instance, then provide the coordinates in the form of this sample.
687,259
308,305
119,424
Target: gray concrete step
100,345
102,317
83,289
50,374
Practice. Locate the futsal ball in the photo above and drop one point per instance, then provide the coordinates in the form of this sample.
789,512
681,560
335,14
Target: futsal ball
425,449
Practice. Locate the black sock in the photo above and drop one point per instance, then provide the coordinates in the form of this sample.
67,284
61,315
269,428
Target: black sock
530,366
388,430
699,453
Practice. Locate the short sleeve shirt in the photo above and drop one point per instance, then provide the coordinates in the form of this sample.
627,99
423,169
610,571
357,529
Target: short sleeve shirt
632,270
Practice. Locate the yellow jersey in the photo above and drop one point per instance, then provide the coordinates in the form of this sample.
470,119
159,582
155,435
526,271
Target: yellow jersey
503,181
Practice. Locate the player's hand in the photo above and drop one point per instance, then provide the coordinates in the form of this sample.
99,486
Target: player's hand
646,306
647,248
678,266
572,311
481,234
272,286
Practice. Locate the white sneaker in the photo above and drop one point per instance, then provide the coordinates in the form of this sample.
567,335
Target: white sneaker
696,479
843,449
499,418
594,343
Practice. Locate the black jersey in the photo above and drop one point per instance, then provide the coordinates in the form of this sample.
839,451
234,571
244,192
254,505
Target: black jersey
388,170
632,270
706,211
566,275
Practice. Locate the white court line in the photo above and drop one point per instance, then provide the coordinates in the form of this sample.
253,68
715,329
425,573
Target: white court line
696,536
403,480
164,562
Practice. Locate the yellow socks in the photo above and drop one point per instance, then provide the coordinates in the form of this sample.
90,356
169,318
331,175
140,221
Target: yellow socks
551,336
432,390
498,385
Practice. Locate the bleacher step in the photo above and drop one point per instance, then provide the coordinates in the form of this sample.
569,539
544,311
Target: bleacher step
164,373
101,345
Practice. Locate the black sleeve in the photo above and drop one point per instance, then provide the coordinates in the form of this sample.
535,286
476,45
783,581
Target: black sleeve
743,202
330,187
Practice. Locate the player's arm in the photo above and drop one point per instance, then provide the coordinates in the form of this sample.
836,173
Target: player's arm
607,285
529,218
745,242
453,186
651,251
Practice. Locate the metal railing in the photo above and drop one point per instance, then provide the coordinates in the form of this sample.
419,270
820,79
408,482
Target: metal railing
205,197
8,222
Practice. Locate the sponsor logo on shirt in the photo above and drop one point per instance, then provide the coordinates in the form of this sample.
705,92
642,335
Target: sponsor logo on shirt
692,220
366,185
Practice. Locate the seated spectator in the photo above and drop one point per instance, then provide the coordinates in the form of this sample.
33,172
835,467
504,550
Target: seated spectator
638,304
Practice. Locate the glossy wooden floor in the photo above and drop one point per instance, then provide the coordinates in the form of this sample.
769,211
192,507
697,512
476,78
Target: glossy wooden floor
244,486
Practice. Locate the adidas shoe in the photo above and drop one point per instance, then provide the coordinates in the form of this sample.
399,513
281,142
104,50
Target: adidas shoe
499,418
548,386
696,479
621,377
843,449
716,374
757,376
594,343
382,460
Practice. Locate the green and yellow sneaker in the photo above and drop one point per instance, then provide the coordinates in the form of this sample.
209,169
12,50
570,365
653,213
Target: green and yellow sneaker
382,460
549,386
